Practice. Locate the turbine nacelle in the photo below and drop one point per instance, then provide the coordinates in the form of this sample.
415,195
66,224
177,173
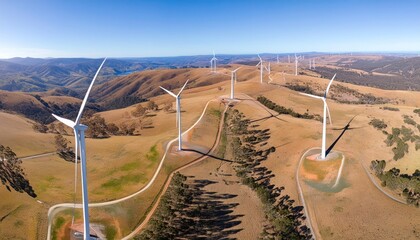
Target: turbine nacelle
178,111
80,142
326,110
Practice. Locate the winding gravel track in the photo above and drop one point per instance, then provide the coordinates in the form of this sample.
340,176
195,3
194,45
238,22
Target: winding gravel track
379,187
153,209
58,207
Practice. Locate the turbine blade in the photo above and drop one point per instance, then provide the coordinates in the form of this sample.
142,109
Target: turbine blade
328,111
170,93
66,122
312,96
79,116
329,85
182,89
258,64
236,69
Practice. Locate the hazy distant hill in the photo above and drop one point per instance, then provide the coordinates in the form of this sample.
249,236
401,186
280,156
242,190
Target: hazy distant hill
386,72
38,74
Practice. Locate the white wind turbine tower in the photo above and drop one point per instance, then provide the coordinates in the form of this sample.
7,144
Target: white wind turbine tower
310,64
79,135
313,64
232,82
213,64
278,61
178,112
296,64
288,56
261,68
324,121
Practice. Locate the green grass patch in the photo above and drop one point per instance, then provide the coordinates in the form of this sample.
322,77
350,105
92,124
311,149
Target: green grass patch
130,166
58,224
110,232
116,184
215,112
153,154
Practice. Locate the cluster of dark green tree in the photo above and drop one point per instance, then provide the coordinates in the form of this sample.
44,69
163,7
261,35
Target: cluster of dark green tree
337,93
12,174
186,211
283,110
408,185
249,148
99,128
399,137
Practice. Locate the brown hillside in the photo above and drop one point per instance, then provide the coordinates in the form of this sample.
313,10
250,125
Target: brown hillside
146,84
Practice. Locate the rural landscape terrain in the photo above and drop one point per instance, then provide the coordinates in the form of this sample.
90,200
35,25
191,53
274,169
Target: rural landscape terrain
211,119
248,167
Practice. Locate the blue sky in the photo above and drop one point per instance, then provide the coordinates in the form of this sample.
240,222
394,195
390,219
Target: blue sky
93,28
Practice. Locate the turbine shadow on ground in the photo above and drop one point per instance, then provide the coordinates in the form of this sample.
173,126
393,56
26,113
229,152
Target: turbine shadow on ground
264,118
347,127
207,154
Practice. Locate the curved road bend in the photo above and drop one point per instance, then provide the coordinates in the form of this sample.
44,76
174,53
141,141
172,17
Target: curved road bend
379,187
302,199
58,207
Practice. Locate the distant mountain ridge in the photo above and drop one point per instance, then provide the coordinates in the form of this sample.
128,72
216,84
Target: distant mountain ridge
43,74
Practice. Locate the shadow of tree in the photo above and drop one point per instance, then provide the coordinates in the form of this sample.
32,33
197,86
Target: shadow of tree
11,172
213,218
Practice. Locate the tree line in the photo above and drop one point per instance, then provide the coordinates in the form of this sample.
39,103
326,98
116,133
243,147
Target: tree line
285,220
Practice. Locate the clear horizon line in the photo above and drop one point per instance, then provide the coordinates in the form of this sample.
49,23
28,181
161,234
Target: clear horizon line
238,54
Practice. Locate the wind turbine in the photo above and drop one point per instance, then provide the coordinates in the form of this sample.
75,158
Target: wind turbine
296,64
278,61
310,64
324,121
288,56
213,63
269,68
313,64
79,135
261,68
232,81
178,112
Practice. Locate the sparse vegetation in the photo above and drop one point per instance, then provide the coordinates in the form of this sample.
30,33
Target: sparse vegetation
170,221
63,150
409,120
12,174
394,109
378,124
407,185
139,111
285,221
282,110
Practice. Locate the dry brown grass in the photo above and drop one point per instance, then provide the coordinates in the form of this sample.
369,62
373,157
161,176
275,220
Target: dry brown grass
358,211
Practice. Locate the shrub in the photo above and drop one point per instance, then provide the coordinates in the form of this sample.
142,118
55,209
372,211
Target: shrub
378,124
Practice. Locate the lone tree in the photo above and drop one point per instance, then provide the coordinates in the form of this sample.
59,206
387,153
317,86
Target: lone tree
97,127
139,111
151,105
65,152
167,106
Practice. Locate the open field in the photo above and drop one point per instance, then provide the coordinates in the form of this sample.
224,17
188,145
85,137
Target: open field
121,165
